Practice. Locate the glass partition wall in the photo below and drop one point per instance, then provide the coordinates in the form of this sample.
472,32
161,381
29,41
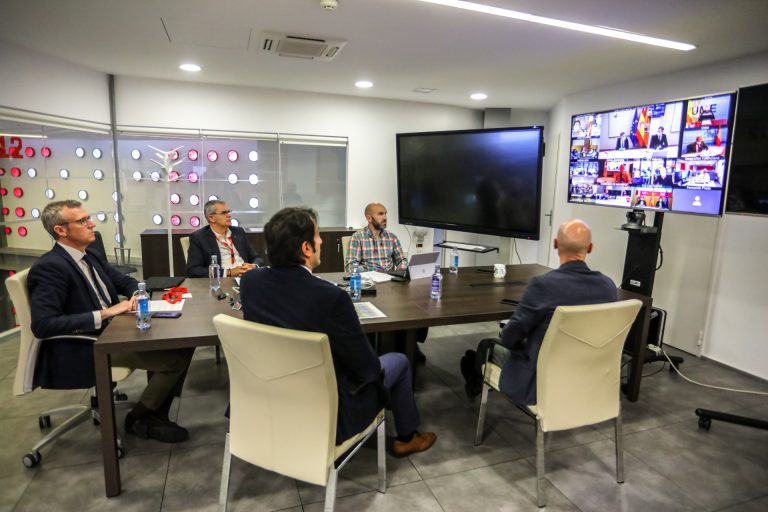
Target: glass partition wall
161,179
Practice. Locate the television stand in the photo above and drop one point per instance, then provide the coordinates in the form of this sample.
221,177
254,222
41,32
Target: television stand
461,246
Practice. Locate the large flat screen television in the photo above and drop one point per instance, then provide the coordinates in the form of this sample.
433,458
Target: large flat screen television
478,181
669,157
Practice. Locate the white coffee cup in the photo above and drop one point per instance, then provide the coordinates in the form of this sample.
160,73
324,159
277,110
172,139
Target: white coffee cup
499,270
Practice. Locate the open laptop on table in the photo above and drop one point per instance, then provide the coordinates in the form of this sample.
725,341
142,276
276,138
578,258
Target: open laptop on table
419,266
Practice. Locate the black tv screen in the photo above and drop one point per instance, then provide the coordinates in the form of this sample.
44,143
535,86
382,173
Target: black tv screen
748,184
478,181
670,157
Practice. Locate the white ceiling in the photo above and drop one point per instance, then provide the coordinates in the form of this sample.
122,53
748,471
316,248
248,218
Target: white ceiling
398,44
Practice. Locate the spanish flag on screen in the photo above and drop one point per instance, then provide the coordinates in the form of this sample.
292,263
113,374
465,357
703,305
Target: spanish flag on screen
642,135
718,138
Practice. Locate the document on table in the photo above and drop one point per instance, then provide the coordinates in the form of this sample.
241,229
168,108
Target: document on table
376,277
366,310
164,305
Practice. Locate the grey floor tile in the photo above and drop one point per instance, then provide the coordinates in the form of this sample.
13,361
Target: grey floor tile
587,476
31,404
726,465
194,479
361,475
17,436
507,486
758,505
408,497
205,376
12,486
9,355
203,415
81,488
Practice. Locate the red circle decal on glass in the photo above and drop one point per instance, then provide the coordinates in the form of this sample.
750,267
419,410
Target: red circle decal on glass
193,177
6,211
23,231
194,221
173,176
30,152
46,152
3,191
232,155
20,211
192,154
213,156
175,220
8,230
15,172
18,192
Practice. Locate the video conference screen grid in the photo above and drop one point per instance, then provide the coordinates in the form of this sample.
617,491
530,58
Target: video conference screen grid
665,156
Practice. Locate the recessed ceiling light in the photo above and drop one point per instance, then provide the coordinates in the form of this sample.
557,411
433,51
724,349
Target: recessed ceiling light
190,67
552,22
364,84
479,96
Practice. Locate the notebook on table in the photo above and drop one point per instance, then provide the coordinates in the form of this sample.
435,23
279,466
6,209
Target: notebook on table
159,283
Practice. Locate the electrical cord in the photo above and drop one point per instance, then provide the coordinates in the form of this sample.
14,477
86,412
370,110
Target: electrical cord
763,393
514,246
410,240
661,257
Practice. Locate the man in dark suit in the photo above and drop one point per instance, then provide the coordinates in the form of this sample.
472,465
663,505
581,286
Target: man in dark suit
288,295
623,141
223,240
73,291
573,283
697,146
659,140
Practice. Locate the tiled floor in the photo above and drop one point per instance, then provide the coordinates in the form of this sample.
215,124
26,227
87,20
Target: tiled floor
669,463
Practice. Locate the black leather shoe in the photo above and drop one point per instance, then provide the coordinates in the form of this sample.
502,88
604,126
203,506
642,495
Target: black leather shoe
419,357
473,383
155,427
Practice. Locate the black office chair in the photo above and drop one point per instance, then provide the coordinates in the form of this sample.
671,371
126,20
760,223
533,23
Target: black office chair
98,246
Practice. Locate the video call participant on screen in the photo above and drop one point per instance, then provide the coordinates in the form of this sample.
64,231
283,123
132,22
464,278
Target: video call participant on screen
223,240
697,146
659,140
288,295
573,283
577,131
73,291
623,141
374,247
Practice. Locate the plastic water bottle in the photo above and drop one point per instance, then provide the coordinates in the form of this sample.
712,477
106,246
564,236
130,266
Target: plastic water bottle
437,284
454,268
355,283
214,275
143,316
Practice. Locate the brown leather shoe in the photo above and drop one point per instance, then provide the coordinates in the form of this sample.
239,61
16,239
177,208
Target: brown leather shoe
419,443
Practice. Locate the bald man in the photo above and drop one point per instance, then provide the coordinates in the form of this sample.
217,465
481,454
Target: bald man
373,247
573,283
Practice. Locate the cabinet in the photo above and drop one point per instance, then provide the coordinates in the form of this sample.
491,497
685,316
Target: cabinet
154,250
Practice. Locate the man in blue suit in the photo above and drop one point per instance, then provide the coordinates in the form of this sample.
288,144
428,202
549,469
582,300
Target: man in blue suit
223,240
288,295
573,283
73,291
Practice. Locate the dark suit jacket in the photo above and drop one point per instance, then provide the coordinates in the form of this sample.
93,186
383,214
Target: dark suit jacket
202,245
570,285
659,142
62,302
293,298
625,144
693,147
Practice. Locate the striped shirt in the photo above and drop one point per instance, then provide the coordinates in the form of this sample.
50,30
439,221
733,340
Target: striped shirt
369,253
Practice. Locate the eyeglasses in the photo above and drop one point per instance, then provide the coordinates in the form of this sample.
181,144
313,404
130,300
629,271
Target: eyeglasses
225,212
83,222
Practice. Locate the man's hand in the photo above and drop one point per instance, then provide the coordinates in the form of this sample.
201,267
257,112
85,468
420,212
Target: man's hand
239,271
125,306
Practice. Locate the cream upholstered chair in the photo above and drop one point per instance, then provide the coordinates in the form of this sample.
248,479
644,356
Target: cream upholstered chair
577,376
184,241
345,249
284,403
23,383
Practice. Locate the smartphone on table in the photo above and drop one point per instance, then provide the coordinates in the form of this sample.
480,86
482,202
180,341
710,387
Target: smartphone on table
166,314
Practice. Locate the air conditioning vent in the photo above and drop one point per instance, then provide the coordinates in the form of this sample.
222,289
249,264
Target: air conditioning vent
302,47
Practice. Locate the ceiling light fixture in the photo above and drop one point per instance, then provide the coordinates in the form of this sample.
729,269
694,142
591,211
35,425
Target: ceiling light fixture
478,96
364,84
190,67
579,27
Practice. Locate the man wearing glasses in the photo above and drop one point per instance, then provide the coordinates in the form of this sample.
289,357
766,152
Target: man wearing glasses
73,291
223,240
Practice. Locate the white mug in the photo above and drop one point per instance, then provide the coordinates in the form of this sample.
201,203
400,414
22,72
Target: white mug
499,270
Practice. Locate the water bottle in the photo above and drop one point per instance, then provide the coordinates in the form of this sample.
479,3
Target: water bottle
355,284
143,316
214,275
437,284
454,268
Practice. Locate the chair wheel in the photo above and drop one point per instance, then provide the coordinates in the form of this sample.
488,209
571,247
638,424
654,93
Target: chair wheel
31,459
44,422
705,423
121,397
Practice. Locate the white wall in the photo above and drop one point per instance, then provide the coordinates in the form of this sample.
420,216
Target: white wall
684,286
370,125
36,82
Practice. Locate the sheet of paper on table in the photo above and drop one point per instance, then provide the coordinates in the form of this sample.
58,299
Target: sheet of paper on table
366,310
164,305
376,277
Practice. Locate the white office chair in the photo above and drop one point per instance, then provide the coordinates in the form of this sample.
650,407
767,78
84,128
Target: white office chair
345,249
28,356
577,376
184,241
284,402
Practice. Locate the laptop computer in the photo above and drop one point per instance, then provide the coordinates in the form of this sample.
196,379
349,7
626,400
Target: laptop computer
419,266
160,283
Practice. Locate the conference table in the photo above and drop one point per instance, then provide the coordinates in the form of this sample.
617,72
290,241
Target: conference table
472,295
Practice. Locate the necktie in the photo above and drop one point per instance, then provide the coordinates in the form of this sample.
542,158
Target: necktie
102,294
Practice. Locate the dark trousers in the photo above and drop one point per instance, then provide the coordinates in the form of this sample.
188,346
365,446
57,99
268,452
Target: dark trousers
168,369
397,379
